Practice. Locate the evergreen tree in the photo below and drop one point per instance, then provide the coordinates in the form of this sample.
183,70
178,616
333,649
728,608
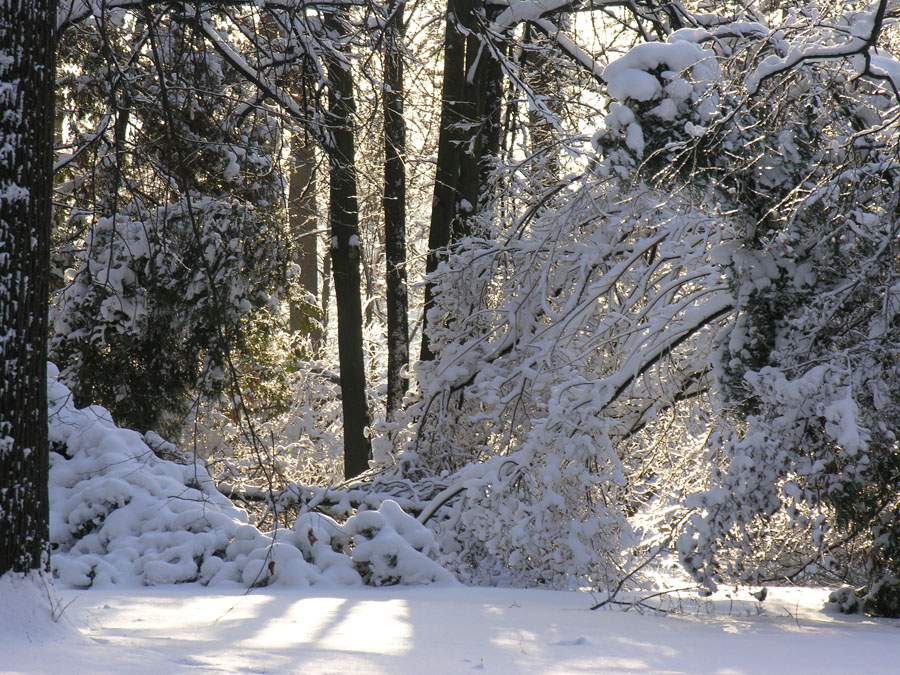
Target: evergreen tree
175,228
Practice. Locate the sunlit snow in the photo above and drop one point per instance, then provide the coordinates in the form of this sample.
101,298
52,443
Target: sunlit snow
431,629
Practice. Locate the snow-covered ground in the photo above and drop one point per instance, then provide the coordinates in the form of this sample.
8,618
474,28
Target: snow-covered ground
187,628
123,519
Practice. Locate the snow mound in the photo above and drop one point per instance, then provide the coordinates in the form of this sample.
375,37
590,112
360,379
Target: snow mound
661,94
30,612
391,547
629,76
120,514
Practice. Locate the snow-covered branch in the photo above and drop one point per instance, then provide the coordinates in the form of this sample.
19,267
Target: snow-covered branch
858,33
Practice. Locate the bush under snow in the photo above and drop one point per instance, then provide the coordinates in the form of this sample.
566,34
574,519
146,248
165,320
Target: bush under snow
121,514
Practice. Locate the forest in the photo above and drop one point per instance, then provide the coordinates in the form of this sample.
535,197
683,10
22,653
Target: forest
524,293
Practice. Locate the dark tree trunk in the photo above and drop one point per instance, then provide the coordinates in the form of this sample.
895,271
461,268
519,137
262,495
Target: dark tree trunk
395,210
468,139
489,113
27,73
302,214
443,203
345,264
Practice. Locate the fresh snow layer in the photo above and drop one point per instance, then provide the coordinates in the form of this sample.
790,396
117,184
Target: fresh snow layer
432,629
120,514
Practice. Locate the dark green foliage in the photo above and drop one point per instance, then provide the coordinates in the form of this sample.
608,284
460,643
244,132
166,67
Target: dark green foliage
174,228
140,328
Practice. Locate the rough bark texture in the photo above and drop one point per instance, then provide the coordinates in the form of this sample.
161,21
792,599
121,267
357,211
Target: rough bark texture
395,211
27,59
345,264
302,213
469,135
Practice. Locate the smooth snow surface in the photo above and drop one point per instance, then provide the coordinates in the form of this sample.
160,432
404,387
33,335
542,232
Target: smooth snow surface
187,628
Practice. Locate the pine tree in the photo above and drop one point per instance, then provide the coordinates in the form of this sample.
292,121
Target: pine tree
175,226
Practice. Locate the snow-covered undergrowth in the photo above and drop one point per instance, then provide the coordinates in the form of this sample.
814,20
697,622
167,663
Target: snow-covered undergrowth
119,513
570,343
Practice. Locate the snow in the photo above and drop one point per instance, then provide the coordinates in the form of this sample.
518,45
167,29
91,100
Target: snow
677,57
518,11
315,614
434,629
120,514
883,65
634,84
628,77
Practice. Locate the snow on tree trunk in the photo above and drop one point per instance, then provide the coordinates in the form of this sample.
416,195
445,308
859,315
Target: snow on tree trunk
27,70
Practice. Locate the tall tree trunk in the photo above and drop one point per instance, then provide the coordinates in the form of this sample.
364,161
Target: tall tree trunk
444,201
27,74
345,251
395,210
468,137
303,225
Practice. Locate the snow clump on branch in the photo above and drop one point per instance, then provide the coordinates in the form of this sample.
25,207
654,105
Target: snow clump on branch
653,86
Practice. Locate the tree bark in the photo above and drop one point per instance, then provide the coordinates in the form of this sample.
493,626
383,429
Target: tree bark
468,138
302,215
345,251
395,210
443,203
27,74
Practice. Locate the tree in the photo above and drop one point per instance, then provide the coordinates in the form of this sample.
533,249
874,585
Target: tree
235,138
570,333
27,73
174,218
397,298
469,134
794,155
345,252
303,227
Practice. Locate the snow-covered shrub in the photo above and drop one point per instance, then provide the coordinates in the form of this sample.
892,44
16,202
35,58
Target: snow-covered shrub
257,559
281,557
378,547
326,544
601,327
120,514
390,547
663,98
723,287
525,520
803,155
171,239
302,442
562,339
156,302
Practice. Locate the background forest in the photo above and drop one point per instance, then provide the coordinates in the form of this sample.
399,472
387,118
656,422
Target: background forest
534,293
